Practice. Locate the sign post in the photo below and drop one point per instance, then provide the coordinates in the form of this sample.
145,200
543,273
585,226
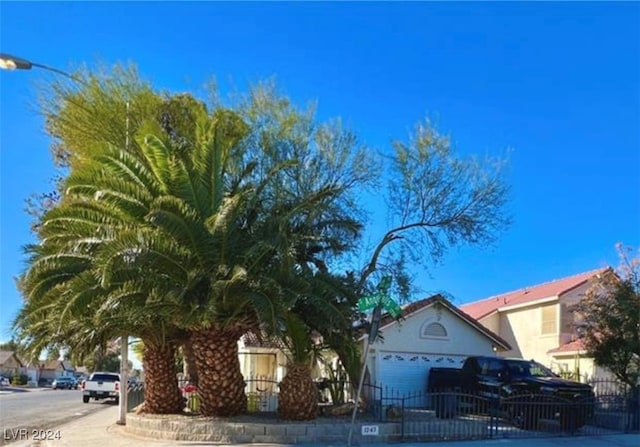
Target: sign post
124,380
376,302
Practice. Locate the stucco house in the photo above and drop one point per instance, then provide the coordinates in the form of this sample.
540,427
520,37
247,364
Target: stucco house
10,364
262,358
430,333
538,323
52,369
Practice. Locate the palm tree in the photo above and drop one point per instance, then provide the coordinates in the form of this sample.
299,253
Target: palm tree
222,225
64,283
172,218
85,269
318,322
240,232
298,397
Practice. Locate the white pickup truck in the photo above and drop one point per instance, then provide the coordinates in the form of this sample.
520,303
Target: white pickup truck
101,385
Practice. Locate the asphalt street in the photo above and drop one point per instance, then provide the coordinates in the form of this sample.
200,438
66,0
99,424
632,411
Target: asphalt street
44,409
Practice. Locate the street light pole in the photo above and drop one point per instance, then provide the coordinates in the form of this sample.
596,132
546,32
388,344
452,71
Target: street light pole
10,62
124,341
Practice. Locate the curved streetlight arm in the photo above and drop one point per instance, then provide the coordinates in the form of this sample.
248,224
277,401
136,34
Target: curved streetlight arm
10,62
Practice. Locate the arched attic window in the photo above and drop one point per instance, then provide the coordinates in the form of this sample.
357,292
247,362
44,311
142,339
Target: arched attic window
433,330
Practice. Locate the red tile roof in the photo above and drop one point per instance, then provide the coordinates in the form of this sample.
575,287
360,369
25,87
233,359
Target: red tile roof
482,308
415,306
572,346
261,340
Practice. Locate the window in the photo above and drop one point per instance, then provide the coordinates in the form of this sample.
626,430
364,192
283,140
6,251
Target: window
491,367
105,377
433,330
549,319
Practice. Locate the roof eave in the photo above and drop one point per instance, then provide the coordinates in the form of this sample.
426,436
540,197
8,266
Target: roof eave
528,304
573,352
499,341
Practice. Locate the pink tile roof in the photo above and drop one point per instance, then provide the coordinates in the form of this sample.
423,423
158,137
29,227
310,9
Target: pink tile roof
482,308
572,346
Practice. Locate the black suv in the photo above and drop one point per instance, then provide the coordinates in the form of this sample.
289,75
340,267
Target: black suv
524,389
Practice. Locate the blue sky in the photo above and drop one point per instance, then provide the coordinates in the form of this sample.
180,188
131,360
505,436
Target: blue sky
557,83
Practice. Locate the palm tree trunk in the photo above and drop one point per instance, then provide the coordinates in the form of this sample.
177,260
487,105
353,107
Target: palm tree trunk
221,385
161,392
298,399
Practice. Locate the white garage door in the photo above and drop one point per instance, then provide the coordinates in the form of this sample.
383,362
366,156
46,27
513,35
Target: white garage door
404,373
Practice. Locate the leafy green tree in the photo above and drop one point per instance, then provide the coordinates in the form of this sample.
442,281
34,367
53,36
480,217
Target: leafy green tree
210,224
437,200
609,319
106,109
223,253
11,345
107,106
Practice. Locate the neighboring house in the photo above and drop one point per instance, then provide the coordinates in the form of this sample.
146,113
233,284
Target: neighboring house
33,373
538,322
261,358
430,333
10,364
52,369
572,358
82,371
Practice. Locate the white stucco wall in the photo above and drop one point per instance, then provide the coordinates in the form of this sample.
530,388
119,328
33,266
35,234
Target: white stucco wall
461,338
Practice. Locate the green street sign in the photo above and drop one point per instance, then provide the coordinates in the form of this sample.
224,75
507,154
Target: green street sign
368,302
380,298
393,308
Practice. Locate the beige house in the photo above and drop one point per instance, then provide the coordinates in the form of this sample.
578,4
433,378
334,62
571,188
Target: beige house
10,364
538,323
52,369
262,358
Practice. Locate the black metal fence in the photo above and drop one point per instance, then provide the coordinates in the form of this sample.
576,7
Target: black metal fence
460,415
135,396
454,415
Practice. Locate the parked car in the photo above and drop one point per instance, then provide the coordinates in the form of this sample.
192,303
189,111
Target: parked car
63,383
523,389
4,381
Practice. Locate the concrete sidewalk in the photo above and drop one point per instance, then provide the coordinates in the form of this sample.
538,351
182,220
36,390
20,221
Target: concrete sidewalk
100,430
19,389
